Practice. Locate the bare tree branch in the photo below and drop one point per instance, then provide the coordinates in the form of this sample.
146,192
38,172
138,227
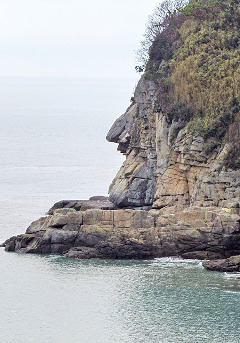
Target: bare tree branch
157,22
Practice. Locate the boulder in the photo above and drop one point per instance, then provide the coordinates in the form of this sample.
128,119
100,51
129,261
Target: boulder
100,202
231,264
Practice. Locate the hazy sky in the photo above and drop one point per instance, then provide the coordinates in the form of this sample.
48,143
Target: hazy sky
71,37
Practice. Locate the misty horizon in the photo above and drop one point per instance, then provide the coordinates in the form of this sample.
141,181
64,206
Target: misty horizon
71,38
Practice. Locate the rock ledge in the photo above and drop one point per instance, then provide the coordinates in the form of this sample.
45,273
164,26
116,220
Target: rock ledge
195,232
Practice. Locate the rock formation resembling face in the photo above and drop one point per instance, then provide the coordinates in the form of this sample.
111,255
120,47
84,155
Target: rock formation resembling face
134,131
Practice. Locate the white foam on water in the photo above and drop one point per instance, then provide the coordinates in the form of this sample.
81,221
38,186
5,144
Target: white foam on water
177,260
232,291
232,275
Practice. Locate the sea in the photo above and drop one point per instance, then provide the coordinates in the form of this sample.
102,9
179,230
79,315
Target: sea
52,148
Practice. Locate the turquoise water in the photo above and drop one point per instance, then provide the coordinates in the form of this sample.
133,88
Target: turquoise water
52,147
52,299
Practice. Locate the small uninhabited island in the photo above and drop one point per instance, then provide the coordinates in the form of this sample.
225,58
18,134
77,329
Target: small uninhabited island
178,191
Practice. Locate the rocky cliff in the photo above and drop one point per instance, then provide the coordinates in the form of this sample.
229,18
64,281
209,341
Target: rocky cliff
178,191
165,169
170,198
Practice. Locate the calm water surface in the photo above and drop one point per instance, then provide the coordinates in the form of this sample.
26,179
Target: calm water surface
52,147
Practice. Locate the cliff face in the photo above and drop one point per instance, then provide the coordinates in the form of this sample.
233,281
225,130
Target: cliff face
162,169
135,132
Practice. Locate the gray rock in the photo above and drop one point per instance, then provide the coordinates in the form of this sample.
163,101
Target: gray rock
118,127
82,205
231,264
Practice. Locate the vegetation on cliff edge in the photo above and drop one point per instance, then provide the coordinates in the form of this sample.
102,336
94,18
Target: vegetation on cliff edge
194,58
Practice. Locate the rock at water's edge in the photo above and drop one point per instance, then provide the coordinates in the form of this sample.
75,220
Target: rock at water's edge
132,234
231,264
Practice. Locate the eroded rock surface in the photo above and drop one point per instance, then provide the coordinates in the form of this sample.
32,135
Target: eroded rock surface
135,183
100,202
165,165
231,264
128,233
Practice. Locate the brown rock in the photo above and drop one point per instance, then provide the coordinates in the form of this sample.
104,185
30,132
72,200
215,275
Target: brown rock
132,234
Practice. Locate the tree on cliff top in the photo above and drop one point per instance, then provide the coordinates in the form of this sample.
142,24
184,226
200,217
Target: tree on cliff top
157,23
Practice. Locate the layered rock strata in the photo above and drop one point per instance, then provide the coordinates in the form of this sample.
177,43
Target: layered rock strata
140,234
99,202
165,165
134,131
